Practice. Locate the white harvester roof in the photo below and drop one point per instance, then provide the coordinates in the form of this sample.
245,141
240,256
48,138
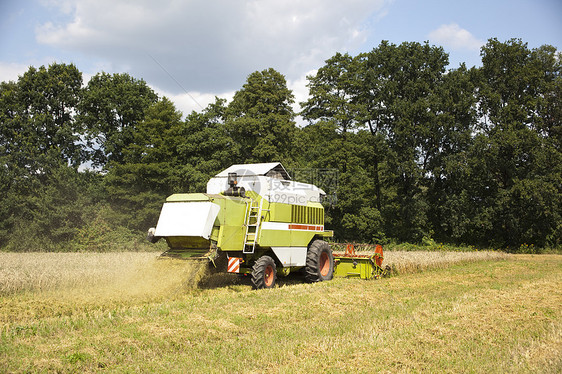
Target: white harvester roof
270,169
269,180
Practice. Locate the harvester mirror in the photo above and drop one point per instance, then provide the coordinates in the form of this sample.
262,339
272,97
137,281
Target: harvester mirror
232,179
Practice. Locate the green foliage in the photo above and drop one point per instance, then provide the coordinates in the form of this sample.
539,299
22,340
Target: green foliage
50,214
466,156
514,162
38,126
110,110
423,155
394,93
42,143
207,147
137,186
332,92
104,233
260,119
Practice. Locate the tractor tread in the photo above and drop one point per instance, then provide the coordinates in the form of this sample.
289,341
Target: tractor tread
313,256
259,272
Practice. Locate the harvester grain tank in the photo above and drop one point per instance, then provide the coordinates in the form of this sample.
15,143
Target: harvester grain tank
255,220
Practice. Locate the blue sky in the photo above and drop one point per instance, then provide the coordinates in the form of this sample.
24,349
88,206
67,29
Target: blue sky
208,48
535,22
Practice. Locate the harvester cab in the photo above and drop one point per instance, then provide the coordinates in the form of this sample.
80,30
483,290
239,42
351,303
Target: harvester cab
254,220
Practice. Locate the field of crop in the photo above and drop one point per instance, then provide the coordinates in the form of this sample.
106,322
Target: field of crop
139,272
442,312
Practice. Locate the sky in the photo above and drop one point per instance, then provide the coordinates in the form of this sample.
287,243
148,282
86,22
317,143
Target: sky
193,50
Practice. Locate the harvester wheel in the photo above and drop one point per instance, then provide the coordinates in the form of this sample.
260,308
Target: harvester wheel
319,262
264,273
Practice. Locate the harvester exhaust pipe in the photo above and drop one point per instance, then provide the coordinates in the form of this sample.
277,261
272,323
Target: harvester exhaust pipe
233,189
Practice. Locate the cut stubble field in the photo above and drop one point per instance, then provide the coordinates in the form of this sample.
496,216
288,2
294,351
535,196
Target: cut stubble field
440,312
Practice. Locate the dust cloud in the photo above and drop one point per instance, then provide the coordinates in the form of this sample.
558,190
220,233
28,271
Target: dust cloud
103,276
158,278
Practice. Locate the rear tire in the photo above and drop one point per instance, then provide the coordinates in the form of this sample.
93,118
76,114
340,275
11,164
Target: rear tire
319,262
264,273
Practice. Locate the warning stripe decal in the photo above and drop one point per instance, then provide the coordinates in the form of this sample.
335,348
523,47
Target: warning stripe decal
291,226
233,265
306,227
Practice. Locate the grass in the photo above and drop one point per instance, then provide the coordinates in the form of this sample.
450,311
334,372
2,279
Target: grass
477,316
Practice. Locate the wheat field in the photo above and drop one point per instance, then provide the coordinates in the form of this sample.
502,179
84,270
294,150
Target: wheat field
403,262
142,273
116,274
130,312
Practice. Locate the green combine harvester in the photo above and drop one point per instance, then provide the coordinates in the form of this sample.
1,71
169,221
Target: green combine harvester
254,220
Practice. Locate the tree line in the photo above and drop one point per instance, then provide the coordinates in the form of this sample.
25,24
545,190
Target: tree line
423,153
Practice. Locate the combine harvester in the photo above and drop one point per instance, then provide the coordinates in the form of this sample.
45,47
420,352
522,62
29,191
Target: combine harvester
254,220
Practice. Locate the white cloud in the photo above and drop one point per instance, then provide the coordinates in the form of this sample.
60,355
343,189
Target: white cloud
300,91
11,71
186,102
298,86
209,46
455,37
192,101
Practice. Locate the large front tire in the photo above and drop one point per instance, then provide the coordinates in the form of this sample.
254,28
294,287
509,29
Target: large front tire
319,262
264,273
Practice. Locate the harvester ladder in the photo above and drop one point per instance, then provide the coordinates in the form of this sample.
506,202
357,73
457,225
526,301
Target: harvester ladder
253,221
